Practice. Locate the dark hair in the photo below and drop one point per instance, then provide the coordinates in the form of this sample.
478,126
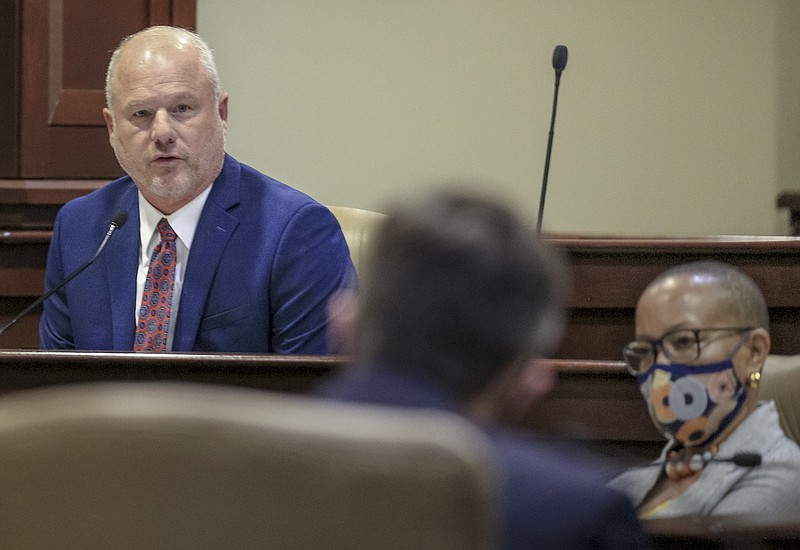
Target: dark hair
739,293
459,289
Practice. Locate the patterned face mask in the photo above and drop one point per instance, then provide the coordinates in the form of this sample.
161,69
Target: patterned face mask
692,403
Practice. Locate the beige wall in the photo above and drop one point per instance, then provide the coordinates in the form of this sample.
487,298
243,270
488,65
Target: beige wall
675,116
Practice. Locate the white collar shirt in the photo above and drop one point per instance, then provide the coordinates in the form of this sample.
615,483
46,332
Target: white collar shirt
184,222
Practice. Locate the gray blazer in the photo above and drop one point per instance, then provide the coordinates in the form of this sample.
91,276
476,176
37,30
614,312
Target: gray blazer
724,488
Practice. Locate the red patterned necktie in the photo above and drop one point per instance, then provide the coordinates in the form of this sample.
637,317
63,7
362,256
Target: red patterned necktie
154,313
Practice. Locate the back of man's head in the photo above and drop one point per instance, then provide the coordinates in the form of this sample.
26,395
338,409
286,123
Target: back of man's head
459,289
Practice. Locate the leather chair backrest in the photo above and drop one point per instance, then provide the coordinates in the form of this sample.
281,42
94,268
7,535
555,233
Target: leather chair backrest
176,465
358,227
780,381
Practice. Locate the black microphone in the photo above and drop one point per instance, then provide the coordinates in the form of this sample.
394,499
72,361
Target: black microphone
745,460
559,63
117,221
559,60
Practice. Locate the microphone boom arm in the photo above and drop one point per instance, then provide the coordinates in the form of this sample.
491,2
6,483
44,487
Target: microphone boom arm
547,156
559,63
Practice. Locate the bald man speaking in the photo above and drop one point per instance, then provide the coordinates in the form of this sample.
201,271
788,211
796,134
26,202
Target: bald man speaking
215,256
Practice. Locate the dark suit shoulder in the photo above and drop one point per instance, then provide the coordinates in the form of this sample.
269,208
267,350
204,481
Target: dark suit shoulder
555,500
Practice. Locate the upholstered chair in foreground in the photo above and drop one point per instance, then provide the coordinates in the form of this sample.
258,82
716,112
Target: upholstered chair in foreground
176,465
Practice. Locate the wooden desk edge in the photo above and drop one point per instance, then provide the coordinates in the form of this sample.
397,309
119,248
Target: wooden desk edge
178,359
730,528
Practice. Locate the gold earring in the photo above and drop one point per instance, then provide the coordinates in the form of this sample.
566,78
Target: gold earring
754,379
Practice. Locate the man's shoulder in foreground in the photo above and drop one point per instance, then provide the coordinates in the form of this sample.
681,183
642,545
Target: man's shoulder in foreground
556,500
551,499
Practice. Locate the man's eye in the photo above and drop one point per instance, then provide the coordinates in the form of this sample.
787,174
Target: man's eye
140,114
182,108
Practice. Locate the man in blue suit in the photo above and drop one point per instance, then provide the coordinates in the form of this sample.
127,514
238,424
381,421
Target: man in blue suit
256,261
458,300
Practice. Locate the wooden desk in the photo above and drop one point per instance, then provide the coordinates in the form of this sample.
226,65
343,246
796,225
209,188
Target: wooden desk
589,398
592,400
719,532
25,369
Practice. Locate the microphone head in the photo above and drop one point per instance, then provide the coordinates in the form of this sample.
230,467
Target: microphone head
747,460
119,219
560,58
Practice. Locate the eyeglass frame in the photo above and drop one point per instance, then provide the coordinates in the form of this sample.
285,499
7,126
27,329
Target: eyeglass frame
656,344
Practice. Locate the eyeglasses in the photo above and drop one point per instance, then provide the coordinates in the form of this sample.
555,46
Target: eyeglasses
679,346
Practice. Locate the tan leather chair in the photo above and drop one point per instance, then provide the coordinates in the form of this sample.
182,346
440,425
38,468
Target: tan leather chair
780,381
358,227
173,465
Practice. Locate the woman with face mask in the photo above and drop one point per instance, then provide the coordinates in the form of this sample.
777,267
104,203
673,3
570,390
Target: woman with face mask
702,336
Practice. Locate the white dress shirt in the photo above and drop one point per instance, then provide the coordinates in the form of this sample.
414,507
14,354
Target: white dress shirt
184,222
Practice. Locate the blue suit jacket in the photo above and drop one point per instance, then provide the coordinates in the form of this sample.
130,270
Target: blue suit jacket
551,499
264,261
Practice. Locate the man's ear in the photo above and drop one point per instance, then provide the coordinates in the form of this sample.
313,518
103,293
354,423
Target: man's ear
342,315
222,108
510,398
538,379
109,121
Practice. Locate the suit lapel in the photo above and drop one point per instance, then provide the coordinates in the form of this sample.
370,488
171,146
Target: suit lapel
214,230
121,266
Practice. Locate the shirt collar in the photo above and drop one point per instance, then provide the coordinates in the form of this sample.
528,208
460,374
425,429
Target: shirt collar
183,221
